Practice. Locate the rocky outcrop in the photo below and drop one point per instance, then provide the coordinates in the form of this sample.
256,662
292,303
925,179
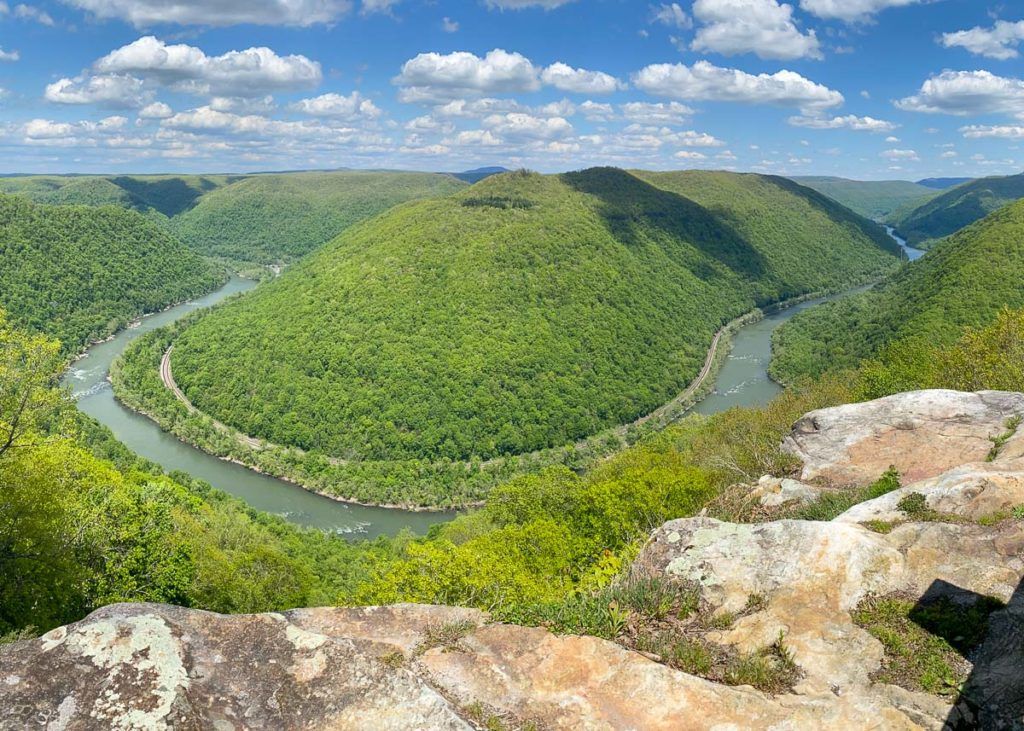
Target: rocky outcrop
922,434
422,667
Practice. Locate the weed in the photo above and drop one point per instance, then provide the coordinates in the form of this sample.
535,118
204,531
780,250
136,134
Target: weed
925,644
832,504
393,660
446,636
881,526
1012,424
772,670
1018,512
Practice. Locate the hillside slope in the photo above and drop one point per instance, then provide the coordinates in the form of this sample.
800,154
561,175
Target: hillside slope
272,218
79,273
964,281
874,199
525,312
956,208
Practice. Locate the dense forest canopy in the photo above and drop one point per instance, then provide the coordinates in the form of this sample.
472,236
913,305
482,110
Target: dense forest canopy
525,312
956,208
874,199
965,280
79,273
273,218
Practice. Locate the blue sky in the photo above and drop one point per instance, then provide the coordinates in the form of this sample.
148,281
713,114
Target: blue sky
871,89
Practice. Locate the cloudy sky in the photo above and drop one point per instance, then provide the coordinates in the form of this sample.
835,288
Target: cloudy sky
862,88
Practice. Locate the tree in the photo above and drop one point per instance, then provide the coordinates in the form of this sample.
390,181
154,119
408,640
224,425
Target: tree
29,367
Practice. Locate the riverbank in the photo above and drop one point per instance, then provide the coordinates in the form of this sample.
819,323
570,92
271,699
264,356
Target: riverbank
417,486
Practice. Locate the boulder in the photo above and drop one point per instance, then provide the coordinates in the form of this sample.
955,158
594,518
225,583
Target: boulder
775,492
145,666
973,492
922,434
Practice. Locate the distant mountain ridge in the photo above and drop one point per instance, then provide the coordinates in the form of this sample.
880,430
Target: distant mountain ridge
478,174
874,199
943,183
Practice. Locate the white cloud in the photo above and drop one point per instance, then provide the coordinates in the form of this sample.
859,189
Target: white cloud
378,6
566,78
762,27
243,105
478,107
690,155
671,15
236,73
353,106
851,10
114,90
849,121
69,134
672,113
9,55
156,110
435,76
449,26
517,125
894,155
999,42
145,13
892,140
28,13
967,92
948,155
1005,132
705,82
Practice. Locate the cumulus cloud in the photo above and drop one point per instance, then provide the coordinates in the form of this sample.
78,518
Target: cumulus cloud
849,121
762,27
672,15
896,155
236,73
156,110
566,78
596,112
378,6
999,42
146,13
671,113
353,106
1005,132
518,126
69,134
112,90
28,13
851,10
435,76
9,55
449,26
967,92
706,82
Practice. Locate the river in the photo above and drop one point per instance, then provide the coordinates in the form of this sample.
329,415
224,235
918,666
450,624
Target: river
742,381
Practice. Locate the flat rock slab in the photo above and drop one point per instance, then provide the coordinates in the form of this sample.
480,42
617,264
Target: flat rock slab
922,434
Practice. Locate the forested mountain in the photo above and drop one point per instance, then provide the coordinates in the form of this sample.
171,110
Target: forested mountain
942,183
965,280
525,312
478,174
272,218
80,273
875,199
955,208
167,195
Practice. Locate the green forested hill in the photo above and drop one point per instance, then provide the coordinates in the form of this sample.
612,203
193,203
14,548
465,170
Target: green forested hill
965,280
875,199
955,208
272,218
79,273
166,195
524,312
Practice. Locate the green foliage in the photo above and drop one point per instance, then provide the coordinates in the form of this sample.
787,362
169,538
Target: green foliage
273,218
964,282
874,199
956,208
925,644
832,504
80,274
442,331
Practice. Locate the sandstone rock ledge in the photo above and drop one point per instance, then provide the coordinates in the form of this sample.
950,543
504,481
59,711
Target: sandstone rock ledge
422,667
